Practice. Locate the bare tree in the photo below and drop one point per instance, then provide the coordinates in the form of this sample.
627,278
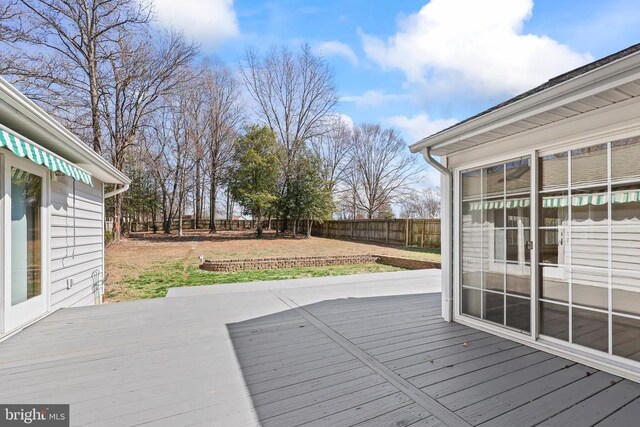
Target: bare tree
423,203
75,38
382,167
224,115
333,147
293,94
12,33
140,73
168,143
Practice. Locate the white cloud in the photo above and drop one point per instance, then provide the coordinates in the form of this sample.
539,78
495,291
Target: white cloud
418,126
336,48
346,119
374,98
206,21
475,45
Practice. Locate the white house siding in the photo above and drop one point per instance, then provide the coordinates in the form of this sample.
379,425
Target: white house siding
75,255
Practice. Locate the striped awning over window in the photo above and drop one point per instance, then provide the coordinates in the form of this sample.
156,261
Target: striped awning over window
617,197
39,156
499,204
562,201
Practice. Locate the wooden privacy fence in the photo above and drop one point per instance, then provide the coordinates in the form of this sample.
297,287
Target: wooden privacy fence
406,232
190,224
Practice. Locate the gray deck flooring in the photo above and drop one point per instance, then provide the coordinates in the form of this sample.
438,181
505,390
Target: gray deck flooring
367,350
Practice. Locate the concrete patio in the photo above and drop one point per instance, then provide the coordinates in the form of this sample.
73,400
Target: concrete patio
356,350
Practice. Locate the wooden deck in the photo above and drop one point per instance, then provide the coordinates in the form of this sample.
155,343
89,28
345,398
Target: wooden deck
370,350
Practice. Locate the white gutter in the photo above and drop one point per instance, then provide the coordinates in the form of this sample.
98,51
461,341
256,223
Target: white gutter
25,108
117,191
447,293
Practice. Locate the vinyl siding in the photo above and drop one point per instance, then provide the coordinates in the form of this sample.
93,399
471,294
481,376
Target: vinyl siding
75,255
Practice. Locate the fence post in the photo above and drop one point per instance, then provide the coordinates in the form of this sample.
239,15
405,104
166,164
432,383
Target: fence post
351,230
424,225
406,232
387,231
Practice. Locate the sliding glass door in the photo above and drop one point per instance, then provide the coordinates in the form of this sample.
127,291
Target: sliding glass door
496,244
590,247
587,235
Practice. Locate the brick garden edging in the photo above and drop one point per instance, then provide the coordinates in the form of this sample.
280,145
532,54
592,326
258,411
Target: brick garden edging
408,263
230,265
289,262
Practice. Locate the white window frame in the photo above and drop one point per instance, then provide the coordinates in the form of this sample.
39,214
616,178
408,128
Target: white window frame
608,362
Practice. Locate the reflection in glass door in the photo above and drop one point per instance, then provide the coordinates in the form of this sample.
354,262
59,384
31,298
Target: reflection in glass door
496,247
590,247
26,231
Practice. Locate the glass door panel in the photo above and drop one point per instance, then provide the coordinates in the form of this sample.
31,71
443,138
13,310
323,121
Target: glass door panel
495,225
25,289
589,247
26,231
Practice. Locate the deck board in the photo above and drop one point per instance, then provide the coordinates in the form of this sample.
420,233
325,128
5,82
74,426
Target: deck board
342,354
597,407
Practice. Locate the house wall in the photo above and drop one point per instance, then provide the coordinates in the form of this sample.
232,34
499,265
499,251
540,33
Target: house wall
79,254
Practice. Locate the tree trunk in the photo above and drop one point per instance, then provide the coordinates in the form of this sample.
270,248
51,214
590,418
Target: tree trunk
309,225
180,203
212,197
166,225
198,212
229,209
165,213
95,100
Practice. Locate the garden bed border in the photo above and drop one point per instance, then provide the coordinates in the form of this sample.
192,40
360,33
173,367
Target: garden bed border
232,265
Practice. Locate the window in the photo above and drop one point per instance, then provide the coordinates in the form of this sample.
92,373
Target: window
496,276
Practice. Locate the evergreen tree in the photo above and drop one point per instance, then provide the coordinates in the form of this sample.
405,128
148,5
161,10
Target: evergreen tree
309,197
254,181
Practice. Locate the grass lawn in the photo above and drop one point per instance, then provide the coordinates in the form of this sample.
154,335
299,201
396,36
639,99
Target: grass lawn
147,267
156,281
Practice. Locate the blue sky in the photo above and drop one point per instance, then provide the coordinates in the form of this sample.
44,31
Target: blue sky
418,65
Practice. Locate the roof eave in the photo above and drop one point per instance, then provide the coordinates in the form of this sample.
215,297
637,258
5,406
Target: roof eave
619,72
28,111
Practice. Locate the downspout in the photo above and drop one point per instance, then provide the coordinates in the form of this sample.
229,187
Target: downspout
116,191
448,295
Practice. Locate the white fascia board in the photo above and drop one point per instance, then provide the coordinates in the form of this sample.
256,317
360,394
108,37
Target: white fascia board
29,114
598,80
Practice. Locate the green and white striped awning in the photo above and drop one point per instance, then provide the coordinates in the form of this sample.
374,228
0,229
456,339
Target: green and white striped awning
39,156
555,202
499,204
625,196
592,199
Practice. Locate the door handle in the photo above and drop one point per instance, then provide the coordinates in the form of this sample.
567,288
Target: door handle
529,245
